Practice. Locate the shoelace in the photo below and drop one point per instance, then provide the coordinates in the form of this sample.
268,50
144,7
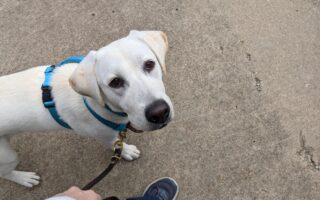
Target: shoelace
157,192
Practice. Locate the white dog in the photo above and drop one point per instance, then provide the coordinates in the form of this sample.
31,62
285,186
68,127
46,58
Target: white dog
125,76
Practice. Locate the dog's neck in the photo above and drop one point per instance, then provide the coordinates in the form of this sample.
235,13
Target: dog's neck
105,113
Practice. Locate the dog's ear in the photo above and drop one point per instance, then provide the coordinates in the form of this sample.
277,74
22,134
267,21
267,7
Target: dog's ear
84,81
157,42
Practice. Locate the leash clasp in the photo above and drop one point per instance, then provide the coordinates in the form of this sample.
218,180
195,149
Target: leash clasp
123,135
118,144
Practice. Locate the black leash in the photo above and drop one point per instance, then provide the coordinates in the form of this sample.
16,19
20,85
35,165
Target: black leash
118,146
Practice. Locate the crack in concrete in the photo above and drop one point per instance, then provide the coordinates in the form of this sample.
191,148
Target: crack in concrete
307,152
258,84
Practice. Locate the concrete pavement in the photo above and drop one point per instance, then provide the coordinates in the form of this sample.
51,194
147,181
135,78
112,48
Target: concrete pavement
243,76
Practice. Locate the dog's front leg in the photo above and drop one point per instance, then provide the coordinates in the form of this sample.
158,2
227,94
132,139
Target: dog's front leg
129,152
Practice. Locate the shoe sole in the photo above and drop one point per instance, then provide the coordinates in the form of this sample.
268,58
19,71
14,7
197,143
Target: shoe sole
175,196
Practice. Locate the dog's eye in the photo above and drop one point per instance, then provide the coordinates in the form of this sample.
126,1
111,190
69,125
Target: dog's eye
148,66
116,83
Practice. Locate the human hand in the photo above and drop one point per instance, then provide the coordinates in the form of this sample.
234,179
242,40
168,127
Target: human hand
78,194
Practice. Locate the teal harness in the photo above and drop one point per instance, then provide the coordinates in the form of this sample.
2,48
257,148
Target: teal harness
49,103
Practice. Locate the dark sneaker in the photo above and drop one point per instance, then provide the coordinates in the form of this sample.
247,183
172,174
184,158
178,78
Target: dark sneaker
161,189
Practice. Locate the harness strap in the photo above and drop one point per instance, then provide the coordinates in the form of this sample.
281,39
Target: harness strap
121,114
49,103
114,126
73,59
47,97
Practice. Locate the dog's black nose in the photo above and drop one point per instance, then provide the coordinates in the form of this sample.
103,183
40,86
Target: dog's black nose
158,112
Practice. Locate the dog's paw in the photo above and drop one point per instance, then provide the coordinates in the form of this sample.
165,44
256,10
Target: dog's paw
28,179
130,152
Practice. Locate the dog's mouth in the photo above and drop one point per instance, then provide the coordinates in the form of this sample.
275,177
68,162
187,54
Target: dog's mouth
131,128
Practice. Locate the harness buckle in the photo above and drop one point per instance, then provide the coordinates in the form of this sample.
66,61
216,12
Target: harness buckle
46,96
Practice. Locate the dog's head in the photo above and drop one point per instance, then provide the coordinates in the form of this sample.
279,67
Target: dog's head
127,76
